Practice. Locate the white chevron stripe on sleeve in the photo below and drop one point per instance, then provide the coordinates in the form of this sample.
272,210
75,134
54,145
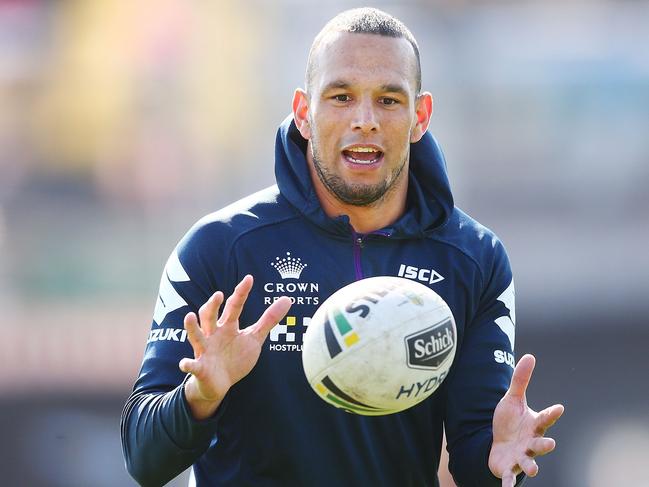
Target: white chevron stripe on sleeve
168,298
508,323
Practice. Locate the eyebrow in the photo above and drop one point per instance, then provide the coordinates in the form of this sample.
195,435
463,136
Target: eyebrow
390,87
336,84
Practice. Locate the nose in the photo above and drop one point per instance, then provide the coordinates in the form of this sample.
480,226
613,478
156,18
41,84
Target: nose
365,118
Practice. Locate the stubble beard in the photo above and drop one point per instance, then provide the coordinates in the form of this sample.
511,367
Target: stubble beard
355,194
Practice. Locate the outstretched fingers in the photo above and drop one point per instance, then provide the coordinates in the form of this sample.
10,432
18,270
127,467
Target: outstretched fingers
194,334
273,314
209,312
529,466
536,447
524,464
540,446
509,479
518,446
198,342
547,418
234,304
522,376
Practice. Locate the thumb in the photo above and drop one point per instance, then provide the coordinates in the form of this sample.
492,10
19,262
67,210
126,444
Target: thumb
189,366
522,376
509,479
273,314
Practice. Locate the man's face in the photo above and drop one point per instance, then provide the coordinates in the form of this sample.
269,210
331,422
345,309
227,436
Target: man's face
361,114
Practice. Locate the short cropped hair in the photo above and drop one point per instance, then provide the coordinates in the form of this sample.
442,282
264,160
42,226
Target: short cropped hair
364,21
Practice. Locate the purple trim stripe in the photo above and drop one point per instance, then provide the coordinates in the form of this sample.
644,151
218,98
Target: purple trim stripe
358,241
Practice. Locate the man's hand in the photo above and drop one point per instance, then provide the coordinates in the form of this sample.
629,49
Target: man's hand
224,354
518,430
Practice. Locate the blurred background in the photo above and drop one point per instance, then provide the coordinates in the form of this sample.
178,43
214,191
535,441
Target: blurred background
123,122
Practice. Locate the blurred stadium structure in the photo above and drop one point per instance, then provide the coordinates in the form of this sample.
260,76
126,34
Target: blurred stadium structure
123,122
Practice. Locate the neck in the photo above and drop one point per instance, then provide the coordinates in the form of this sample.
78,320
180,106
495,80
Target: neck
363,219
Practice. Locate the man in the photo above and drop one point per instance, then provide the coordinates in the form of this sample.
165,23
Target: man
361,191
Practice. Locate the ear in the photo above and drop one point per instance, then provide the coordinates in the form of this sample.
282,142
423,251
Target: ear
423,112
301,113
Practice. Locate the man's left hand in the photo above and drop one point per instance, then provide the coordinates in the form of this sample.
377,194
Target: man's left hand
518,431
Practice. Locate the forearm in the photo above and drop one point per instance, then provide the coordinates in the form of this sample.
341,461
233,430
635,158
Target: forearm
160,437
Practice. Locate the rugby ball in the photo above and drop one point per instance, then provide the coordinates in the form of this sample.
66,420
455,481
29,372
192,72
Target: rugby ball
379,345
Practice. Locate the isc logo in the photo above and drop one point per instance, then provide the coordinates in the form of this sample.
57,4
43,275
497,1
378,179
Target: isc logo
430,276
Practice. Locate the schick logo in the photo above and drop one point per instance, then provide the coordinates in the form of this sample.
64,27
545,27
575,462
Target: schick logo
288,267
429,348
430,276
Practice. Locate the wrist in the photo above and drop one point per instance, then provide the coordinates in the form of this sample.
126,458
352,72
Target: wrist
200,406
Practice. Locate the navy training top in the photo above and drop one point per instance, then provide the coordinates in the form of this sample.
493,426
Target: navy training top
272,429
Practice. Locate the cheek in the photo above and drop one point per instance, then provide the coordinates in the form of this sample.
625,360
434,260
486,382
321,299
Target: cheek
324,134
401,132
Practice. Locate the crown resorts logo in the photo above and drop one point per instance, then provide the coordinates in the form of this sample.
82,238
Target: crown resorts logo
286,336
288,267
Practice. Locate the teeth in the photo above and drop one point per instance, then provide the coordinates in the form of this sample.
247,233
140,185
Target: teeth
359,161
362,149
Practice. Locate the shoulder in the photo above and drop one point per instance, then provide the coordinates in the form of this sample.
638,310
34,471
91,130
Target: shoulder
476,241
224,227
205,252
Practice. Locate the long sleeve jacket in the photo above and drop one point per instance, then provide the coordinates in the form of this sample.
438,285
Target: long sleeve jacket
272,429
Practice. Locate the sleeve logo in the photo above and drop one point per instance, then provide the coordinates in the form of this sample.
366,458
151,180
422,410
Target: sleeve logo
507,323
168,299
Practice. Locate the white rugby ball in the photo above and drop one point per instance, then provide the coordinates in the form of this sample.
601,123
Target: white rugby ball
379,345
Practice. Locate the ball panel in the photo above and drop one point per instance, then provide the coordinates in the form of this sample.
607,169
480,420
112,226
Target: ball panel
331,393
379,370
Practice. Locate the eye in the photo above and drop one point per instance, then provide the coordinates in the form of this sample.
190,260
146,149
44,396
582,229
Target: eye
341,98
386,100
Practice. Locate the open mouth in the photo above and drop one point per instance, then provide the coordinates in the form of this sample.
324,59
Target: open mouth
362,155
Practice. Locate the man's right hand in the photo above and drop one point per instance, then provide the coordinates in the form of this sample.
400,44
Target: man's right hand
223,353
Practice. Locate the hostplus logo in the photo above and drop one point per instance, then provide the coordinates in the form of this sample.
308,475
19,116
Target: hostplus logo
284,336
